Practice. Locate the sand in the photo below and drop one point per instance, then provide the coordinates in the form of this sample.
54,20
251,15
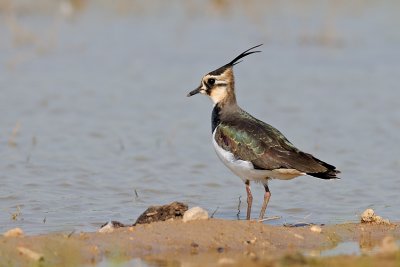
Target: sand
212,242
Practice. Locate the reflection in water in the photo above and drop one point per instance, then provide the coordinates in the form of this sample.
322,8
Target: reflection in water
387,245
348,248
244,259
96,125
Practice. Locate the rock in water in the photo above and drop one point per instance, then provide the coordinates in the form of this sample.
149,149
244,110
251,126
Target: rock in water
195,213
367,216
162,213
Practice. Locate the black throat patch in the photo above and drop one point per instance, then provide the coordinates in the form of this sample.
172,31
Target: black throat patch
215,117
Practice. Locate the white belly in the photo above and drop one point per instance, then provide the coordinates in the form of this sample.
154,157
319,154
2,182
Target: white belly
246,171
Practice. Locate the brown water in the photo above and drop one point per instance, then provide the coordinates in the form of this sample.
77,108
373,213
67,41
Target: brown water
96,97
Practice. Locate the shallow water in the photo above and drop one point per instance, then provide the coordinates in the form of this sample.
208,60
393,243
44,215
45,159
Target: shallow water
347,248
351,248
343,248
97,102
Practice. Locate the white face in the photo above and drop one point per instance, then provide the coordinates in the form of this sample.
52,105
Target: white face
215,87
218,86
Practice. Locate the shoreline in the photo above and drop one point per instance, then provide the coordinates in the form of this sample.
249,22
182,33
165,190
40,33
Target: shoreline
215,241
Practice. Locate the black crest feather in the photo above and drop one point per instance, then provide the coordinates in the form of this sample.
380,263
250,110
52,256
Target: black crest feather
235,60
242,55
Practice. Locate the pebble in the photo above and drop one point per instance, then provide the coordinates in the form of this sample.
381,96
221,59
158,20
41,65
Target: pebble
316,229
252,241
368,216
110,226
107,228
380,220
30,254
14,232
195,213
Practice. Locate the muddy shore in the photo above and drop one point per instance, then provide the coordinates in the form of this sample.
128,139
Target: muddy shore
213,241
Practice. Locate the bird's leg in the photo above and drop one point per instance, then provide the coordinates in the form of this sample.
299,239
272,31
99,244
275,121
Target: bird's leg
267,196
249,199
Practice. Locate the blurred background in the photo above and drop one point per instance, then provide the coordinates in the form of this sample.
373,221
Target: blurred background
95,124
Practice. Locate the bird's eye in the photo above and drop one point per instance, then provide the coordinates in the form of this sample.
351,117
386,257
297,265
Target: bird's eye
211,81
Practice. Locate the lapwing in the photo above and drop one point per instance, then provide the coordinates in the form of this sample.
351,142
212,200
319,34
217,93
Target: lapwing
251,148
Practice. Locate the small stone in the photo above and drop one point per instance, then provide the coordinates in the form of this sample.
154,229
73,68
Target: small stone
252,241
106,228
30,254
380,220
14,232
316,229
110,226
367,216
195,213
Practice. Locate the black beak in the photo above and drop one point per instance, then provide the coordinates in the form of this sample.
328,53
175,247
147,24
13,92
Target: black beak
195,91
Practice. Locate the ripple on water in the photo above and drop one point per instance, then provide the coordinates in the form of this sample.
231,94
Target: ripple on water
116,118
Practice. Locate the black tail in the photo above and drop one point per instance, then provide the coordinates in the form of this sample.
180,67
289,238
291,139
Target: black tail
330,172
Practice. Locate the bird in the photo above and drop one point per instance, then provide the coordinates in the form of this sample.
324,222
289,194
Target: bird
250,148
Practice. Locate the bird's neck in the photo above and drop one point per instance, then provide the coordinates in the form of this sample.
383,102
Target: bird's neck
227,99
222,110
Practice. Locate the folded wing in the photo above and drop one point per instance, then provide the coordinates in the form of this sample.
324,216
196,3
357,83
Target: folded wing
255,141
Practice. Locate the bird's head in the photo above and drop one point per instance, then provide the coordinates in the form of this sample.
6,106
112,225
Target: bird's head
219,84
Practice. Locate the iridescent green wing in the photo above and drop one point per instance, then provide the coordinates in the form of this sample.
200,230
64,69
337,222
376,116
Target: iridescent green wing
255,141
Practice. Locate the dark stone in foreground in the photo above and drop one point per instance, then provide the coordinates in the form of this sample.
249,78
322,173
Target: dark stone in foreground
162,213
154,214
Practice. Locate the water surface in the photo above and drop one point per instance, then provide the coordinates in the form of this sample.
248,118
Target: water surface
97,102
